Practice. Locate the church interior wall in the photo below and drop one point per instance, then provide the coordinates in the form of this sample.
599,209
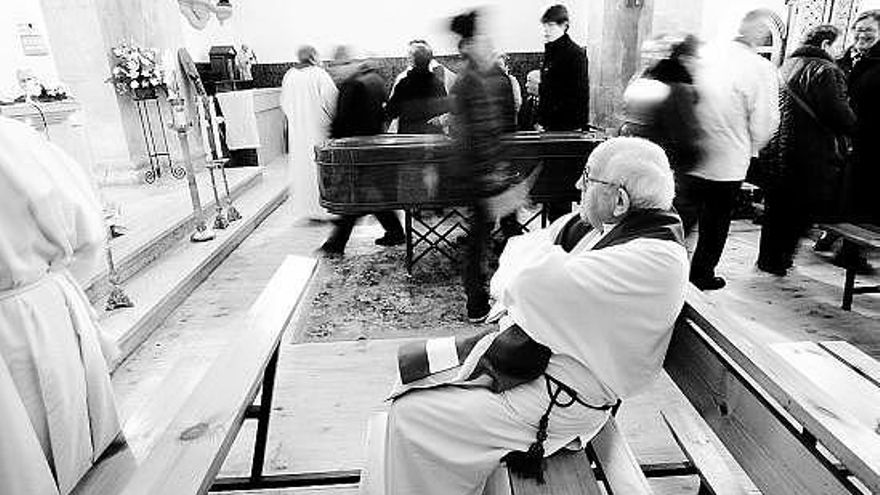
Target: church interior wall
23,17
275,28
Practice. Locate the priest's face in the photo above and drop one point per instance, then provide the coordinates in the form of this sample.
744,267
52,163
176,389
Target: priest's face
599,197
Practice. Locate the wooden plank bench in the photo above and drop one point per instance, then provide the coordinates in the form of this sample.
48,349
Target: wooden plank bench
792,428
862,236
610,462
194,439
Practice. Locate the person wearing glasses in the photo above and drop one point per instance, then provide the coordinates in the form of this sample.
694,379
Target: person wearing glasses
861,64
585,308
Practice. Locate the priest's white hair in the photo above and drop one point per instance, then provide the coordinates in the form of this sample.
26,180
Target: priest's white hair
638,165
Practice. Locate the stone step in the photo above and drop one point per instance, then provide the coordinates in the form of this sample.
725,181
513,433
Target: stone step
156,218
170,278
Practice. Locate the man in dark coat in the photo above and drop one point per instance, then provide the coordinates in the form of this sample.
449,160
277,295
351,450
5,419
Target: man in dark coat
809,186
359,112
418,97
565,85
565,80
862,62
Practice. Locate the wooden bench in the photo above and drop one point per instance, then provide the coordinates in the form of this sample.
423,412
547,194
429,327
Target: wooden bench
609,461
863,236
800,418
185,456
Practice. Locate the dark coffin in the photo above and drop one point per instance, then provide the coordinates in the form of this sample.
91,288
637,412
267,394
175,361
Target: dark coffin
397,171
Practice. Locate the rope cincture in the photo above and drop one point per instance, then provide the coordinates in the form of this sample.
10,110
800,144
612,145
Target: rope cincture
530,464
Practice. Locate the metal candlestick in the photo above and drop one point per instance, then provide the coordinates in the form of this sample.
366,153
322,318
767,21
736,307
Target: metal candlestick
180,124
220,220
117,298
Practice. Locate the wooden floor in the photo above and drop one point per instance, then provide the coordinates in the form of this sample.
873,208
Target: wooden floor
326,391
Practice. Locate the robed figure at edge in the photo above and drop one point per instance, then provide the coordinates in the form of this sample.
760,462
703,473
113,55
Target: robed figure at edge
586,305
57,413
308,98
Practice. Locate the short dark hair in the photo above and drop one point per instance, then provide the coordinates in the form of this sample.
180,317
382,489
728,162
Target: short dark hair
820,34
557,14
421,57
868,14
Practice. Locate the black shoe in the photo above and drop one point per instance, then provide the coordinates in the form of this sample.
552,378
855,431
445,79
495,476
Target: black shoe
331,249
391,240
710,283
779,271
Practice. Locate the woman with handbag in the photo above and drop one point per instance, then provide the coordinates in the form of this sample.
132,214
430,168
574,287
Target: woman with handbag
807,188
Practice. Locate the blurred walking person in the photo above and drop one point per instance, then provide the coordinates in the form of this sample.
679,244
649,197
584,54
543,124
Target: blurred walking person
660,105
308,99
359,112
738,110
809,186
476,129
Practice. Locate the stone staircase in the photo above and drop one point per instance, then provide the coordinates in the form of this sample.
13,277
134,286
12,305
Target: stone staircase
158,267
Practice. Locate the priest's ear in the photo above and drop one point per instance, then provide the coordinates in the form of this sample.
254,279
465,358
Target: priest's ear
622,203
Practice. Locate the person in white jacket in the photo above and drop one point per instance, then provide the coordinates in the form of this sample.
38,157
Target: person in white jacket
738,110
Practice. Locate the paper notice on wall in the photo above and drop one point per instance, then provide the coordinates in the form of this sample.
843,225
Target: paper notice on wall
32,42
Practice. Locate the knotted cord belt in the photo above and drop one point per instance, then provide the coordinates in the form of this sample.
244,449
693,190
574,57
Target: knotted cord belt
530,464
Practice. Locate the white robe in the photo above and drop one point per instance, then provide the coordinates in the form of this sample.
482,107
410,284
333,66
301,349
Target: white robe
56,402
607,315
308,98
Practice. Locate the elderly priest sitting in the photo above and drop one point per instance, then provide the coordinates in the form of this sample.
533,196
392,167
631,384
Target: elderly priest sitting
585,310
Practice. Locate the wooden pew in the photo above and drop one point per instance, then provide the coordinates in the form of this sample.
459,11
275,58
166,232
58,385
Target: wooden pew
795,427
186,455
610,462
569,472
863,236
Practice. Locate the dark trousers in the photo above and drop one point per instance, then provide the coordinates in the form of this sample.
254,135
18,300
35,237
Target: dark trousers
709,205
343,226
474,278
786,220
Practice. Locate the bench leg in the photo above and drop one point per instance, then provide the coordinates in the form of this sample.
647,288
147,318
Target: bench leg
848,288
263,417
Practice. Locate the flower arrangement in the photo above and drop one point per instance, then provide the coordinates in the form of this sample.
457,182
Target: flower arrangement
136,68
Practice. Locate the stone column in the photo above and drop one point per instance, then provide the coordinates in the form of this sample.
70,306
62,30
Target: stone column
615,32
75,34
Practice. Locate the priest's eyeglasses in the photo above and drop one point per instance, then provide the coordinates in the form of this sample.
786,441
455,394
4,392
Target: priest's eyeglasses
586,180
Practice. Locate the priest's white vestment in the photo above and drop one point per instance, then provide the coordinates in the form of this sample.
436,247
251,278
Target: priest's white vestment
57,412
308,99
607,316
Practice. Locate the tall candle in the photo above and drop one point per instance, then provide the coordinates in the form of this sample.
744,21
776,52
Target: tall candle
215,130
203,127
